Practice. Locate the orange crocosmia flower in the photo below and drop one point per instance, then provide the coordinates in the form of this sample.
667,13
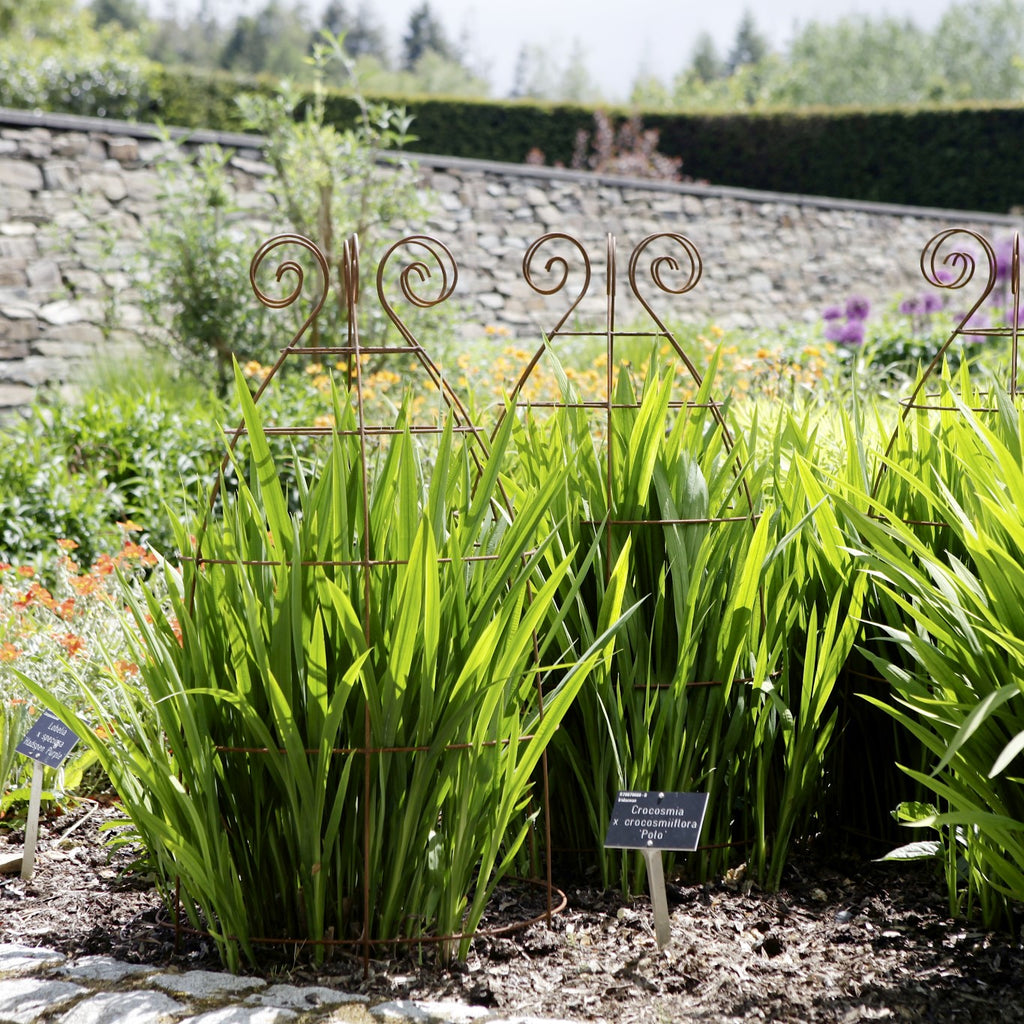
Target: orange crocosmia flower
66,609
125,668
26,571
132,550
4,566
8,652
85,585
66,544
42,595
72,643
129,526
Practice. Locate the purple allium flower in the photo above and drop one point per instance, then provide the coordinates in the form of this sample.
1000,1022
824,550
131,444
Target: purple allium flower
1004,258
932,303
834,330
978,322
832,313
852,333
858,307
910,307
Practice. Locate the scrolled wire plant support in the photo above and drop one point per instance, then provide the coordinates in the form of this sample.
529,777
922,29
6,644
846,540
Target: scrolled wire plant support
427,260
558,263
952,269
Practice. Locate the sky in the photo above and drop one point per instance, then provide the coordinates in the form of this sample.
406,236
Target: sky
617,38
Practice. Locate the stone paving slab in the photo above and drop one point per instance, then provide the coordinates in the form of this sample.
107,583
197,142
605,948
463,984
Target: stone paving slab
303,998
143,1007
23,1000
15,959
205,985
41,986
244,1015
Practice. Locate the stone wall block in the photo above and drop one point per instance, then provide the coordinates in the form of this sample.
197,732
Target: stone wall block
12,272
44,275
12,331
123,150
60,175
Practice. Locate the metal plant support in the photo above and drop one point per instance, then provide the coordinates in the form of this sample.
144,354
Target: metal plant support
952,268
416,262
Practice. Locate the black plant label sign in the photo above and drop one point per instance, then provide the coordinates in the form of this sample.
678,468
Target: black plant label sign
49,741
656,820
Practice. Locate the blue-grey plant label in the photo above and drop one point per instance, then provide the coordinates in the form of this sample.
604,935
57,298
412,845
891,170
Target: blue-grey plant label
656,821
49,741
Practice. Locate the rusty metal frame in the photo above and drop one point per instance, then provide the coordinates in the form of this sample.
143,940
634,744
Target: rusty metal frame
682,258
962,264
424,256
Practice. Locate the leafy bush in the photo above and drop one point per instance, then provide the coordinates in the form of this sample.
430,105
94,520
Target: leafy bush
954,608
261,651
46,635
77,469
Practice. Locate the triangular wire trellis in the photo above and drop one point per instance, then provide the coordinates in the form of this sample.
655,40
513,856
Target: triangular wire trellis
412,261
961,265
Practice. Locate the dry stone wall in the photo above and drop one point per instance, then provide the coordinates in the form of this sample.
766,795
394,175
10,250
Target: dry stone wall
76,195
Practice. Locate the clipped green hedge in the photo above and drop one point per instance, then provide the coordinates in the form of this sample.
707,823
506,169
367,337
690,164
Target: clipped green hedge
963,157
960,157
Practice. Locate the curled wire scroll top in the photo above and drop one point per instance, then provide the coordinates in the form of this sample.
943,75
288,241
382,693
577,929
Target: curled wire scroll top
954,269
557,267
425,255
689,266
293,267
692,267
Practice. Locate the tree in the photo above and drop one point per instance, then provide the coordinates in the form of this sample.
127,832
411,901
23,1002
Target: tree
363,33
425,33
859,60
980,47
199,41
705,61
750,45
273,41
532,77
130,15
575,83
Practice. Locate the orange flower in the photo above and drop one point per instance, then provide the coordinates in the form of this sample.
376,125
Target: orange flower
8,652
85,585
104,565
4,566
125,668
72,643
26,571
39,593
66,544
129,526
66,609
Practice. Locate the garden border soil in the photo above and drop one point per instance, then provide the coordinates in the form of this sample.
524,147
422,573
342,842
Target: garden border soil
843,940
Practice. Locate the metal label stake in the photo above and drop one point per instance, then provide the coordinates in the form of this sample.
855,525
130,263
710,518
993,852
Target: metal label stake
28,856
651,822
48,742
